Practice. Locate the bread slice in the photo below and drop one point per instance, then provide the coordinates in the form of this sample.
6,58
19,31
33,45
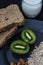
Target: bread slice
4,36
10,16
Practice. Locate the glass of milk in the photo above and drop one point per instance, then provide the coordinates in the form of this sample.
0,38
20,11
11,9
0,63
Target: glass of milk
31,8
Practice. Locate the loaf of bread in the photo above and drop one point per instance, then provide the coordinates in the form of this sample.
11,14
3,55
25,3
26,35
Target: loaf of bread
10,16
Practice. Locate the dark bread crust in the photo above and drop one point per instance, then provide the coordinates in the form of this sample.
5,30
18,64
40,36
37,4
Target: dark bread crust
10,16
4,36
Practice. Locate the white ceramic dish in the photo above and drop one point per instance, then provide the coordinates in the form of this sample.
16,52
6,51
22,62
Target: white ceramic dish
31,8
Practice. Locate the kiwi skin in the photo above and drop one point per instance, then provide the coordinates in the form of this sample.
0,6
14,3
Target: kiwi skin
19,51
25,39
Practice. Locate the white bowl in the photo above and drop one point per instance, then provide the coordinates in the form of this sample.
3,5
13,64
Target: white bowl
31,10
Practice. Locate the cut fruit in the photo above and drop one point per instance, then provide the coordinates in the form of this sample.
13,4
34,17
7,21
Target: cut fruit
28,36
19,47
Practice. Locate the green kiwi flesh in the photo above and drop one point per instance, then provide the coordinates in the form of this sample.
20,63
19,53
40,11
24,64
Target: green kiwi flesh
28,36
19,47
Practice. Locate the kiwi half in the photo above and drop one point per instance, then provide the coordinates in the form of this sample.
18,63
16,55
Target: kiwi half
28,36
19,47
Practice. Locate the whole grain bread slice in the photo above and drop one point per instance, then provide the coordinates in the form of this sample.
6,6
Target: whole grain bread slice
4,36
10,16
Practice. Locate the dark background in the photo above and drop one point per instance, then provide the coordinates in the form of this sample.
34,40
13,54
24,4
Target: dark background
4,3
39,31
